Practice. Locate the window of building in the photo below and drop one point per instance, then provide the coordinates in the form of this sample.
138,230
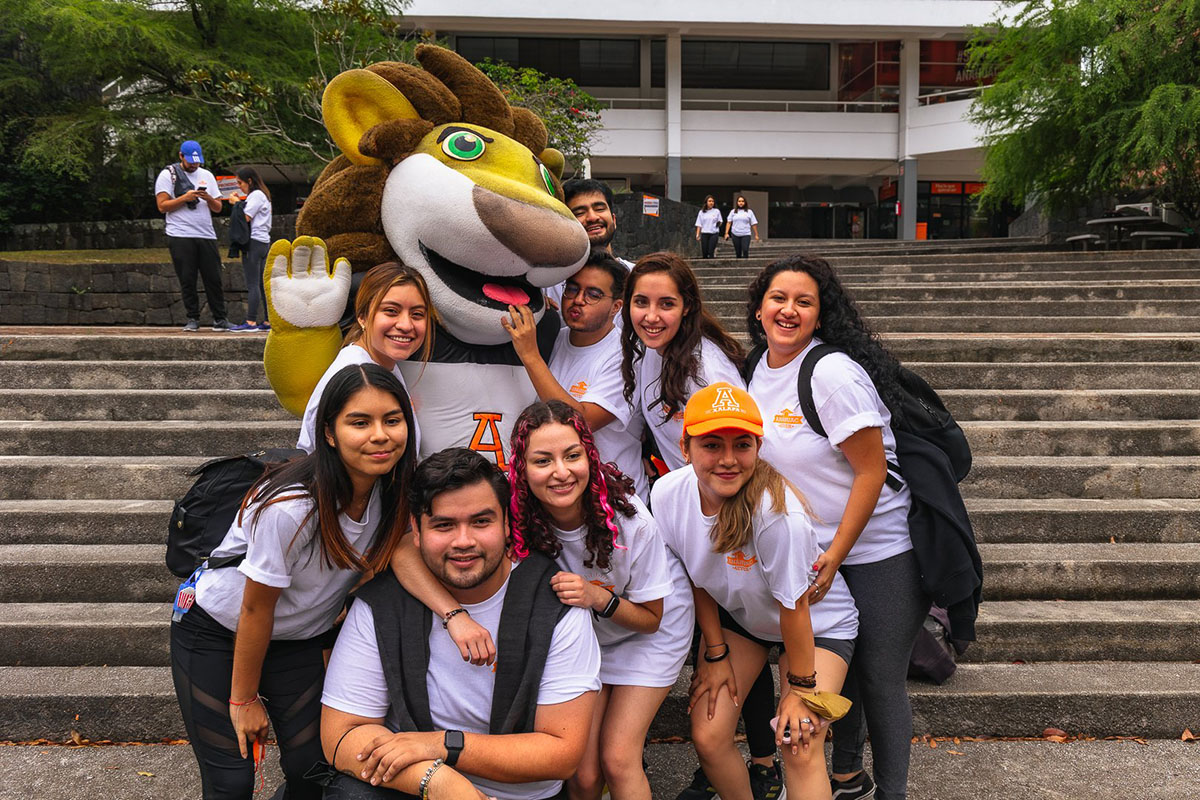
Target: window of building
588,62
712,64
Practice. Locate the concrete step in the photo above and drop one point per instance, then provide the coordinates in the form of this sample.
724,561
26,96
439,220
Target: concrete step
85,634
1080,630
1084,438
96,477
1008,348
1091,572
932,261
1092,477
175,437
1072,404
1009,293
141,405
1059,375
1149,699
84,521
130,344
85,573
856,277
734,320
1058,521
172,375
1037,308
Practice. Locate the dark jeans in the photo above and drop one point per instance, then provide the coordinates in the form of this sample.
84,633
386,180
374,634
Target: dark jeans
708,244
891,609
254,260
741,246
292,674
198,257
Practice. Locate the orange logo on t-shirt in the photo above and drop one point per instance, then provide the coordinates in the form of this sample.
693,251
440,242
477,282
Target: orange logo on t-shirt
740,561
677,415
786,419
578,389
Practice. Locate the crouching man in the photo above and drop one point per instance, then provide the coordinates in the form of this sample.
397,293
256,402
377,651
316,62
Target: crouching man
404,715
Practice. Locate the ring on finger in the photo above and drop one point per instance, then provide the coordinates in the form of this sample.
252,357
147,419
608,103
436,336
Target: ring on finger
809,721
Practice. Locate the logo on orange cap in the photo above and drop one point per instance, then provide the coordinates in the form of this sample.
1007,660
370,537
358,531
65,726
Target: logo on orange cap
722,406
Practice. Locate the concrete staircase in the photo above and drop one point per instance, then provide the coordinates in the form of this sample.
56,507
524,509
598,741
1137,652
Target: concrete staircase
1075,376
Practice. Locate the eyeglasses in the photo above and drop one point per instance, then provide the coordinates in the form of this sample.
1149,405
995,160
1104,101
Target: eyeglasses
590,295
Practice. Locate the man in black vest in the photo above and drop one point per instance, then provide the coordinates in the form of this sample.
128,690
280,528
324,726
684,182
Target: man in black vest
405,715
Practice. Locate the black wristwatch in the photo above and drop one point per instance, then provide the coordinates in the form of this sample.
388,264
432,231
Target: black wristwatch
454,747
611,608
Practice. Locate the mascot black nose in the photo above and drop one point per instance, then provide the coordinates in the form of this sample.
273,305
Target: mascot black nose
539,236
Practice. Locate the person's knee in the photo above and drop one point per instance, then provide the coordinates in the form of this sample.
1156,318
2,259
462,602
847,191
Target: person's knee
620,761
807,759
709,739
226,782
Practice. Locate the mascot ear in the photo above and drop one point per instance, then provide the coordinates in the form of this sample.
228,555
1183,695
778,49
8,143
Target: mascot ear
554,161
356,101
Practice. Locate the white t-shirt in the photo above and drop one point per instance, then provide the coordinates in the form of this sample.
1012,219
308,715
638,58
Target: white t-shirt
258,209
592,374
774,568
184,222
460,694
281,553
846,401
668,433
640,569
349,355
555,292
740,222
709,220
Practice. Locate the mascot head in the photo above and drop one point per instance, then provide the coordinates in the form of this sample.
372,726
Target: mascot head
439,171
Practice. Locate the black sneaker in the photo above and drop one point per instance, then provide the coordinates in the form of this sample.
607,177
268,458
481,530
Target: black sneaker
192,326
699,788
220,325
766,783
859,787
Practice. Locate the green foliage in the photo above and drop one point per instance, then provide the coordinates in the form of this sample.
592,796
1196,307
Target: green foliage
572,116
99,93
1092,98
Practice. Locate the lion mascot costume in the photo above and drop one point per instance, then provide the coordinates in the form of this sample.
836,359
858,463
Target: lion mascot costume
438,171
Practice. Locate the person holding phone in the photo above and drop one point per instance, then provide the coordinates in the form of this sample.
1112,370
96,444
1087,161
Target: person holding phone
187,195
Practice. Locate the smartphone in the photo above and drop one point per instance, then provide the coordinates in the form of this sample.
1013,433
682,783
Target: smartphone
787,731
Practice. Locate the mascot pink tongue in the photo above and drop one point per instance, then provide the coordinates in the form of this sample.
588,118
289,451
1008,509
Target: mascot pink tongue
506,294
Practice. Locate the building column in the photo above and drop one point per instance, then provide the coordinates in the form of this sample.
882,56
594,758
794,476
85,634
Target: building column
645,59
910,87
674,80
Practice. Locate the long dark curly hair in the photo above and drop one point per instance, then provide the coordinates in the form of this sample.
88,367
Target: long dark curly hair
839,323
608,489
681,360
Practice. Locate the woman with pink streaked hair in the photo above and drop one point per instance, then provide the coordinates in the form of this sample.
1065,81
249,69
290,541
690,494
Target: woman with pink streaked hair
583,513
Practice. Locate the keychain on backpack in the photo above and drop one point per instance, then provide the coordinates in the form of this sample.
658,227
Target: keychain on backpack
185,598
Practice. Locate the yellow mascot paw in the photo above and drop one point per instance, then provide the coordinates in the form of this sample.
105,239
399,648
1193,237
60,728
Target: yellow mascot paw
306,299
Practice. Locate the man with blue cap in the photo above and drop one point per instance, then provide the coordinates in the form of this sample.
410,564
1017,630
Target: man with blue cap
188,196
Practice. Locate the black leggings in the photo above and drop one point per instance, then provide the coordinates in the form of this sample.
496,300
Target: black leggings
708,244
741,246
292,674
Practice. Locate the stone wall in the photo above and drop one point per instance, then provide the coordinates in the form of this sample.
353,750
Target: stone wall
118,234
637,234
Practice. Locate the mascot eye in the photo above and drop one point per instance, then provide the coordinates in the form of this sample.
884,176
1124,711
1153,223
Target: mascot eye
463,145
547,178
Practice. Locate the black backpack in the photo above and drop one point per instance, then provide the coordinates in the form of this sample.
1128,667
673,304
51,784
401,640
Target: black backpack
204,515
933,456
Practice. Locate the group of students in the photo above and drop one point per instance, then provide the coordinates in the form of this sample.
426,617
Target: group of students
762,534
740,226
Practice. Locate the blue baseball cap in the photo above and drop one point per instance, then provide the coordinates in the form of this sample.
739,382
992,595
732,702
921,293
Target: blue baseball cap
191,153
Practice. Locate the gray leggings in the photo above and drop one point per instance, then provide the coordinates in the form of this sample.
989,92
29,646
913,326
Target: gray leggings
254,260
891,609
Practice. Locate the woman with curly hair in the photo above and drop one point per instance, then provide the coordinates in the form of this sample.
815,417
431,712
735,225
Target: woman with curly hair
671,346
861,516
572,507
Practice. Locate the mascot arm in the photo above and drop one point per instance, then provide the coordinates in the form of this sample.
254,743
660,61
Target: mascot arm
306,299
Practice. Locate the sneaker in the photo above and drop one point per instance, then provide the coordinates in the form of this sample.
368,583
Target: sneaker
192,326
264,326
766,783
860,787
245,327
220,325
699,788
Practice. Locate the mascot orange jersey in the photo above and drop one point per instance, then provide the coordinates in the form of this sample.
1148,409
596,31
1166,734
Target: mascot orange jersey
437,171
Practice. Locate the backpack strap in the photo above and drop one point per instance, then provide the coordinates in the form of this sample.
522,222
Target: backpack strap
808,408
751,363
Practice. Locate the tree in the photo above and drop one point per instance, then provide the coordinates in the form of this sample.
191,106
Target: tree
1091,98
572,116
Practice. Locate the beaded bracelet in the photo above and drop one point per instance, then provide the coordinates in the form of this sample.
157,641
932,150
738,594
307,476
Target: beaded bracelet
451,614
423,789
803,681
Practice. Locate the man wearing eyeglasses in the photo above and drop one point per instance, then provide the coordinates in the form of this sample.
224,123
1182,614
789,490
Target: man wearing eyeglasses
585,367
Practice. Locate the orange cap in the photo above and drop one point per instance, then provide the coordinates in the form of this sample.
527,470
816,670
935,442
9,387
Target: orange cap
721,406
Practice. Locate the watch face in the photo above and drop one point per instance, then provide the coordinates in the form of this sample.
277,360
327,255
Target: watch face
454,740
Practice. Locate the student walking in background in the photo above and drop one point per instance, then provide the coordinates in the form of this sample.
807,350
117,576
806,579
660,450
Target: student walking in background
254,256
708,227
740,225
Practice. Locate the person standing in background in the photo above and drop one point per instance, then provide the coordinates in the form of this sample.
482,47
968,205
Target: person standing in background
708,227
188,195
741,223
254,257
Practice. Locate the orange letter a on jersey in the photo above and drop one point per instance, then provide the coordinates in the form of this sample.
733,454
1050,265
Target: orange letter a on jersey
485,423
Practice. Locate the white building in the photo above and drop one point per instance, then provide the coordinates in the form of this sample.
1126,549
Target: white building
829,115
